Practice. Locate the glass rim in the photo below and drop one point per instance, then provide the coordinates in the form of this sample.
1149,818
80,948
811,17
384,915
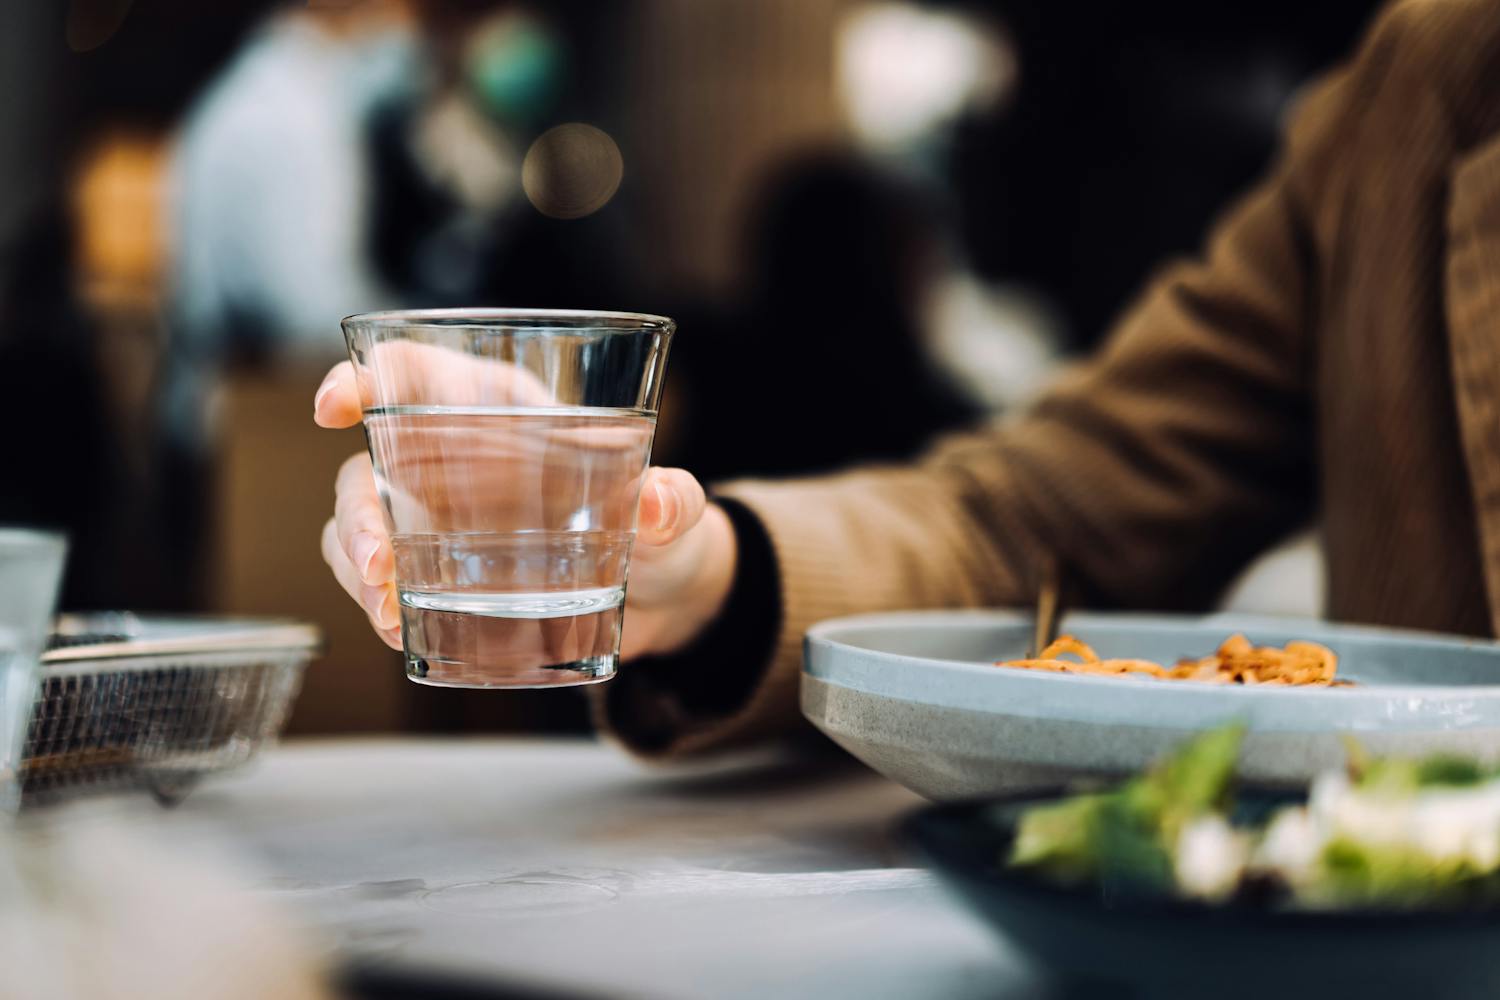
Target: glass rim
591,320
19,536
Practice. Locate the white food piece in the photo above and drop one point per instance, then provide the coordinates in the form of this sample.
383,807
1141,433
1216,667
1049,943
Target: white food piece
1454,824
1327,791
1210,857
1446,824
1292,844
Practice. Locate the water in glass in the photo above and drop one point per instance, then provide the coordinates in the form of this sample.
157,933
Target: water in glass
512,529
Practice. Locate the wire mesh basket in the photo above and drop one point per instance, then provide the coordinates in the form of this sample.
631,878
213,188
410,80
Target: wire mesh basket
157,703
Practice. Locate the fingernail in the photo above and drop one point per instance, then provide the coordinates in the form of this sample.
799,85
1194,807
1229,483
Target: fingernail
323,390
366,546
666,508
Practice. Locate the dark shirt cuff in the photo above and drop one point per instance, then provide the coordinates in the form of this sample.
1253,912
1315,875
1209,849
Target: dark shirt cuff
655,699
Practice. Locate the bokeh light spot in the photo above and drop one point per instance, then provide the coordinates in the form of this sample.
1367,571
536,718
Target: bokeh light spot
571,171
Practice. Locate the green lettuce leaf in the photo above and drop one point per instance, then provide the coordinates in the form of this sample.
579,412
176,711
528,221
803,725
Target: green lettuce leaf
1123,839
1356,874
1058,839
1399,776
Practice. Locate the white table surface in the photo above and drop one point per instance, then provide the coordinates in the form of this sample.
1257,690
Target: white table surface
566,864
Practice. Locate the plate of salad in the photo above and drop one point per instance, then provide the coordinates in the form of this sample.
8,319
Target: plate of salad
1381,880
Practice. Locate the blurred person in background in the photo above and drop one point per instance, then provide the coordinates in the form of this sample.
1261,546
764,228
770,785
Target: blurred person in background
362,156
840,257
269,182
1332,354
358,156
273,182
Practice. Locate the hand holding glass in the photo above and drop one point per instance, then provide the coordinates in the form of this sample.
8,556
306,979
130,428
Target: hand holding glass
508,451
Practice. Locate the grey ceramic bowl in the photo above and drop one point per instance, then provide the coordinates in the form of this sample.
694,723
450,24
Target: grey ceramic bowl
915,696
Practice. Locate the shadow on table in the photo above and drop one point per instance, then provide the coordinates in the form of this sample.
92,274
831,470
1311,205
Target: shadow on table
759,774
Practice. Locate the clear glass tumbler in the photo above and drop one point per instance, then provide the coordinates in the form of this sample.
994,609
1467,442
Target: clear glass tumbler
508,448
31,565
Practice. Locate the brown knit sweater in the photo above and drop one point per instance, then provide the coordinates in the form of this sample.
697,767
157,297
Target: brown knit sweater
1335,354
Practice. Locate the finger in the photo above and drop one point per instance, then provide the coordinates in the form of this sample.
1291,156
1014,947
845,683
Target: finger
338,560
381,605
406,373
403,372
361,523
379,602
672,502
337,403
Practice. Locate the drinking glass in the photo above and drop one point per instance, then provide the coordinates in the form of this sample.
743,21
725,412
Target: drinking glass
508,448
31,565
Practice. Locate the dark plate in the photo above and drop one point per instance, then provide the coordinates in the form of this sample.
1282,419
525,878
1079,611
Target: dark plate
1149,947
366,981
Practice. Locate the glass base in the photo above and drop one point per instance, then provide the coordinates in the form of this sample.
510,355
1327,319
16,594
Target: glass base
438,673
463,650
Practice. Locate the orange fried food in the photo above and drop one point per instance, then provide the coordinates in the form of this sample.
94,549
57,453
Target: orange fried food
1236,662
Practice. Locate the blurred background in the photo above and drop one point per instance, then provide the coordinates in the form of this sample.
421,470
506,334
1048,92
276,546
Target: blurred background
893,218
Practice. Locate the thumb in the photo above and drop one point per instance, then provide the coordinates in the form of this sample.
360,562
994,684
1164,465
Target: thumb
672,503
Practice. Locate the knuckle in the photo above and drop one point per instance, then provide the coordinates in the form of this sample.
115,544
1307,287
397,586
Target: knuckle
328,541
688,485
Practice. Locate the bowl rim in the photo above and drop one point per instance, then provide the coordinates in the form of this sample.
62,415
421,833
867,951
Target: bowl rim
1061,692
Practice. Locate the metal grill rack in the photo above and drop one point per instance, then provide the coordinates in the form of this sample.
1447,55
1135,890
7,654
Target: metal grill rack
157,703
